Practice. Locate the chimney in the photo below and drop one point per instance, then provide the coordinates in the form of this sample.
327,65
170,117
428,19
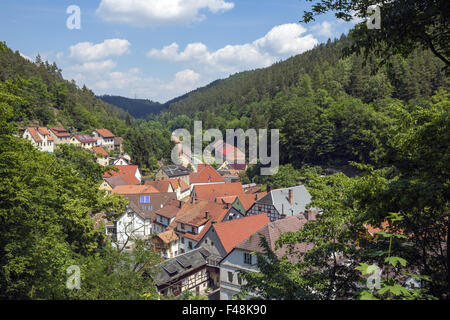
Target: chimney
291,196
269,188
180,204
307,214
206,215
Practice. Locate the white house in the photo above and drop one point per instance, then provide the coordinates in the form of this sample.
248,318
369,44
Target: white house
242,259
133,224
105,138
40,137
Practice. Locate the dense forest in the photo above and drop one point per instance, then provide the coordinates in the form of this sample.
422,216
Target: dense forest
138,108
391,122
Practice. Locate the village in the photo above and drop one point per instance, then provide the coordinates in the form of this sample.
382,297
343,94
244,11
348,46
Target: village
205,224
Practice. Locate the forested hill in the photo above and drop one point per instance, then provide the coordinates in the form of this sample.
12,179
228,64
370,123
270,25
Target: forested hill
405,79
40,96
138,108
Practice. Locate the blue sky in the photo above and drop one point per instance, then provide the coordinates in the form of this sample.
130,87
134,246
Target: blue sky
160,49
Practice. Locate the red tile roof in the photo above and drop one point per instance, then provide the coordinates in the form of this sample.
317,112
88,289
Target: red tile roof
34,134
44,132
105,133
127,173
161,185
247,200
60,132
168,236
170,209
235,231
134,189
100,150
205,174
212,191
194,214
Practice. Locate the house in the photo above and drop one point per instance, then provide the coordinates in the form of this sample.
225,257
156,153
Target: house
205,175
138,220
108,184
165,216
102,156
212,191
60,135
281,203
242,202
230,175
171,185
40,138
195,218
165,243
118,144
190,271
83,140
173,171
129,174
120,161
104,138
222,237
240,258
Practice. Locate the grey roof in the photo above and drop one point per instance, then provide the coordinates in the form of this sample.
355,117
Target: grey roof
115,181
280,199
175,171
177,267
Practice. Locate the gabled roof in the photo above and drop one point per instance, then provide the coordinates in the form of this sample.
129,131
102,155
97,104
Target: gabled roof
127,173
105,133
134,189
205,174
115,181
168,236
84,138
43,131
247,200
100,150
194,214
212,191
34,134
170,209
60,132
161,185
235,231
272,232
280,199
175,268
174,171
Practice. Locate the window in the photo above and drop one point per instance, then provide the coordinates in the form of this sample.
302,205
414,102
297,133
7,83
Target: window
247,258
239,280
143,207
130,214
190,245
230,276
182,240
150,208
145,199
182,227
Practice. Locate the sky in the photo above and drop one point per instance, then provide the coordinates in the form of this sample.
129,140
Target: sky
161,49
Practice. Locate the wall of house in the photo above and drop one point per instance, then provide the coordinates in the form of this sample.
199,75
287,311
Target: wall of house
105,186
211,242
233,263
269,210
139,228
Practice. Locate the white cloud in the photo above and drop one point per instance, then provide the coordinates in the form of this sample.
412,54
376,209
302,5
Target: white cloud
26,57
323,29
280,42
159,12
94,67
87,51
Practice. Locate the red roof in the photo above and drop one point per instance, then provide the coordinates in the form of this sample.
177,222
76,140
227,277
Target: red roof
60,132
232,232
134,189
105,133
34,134
205,174
100,150
127,173
44,132
210,192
